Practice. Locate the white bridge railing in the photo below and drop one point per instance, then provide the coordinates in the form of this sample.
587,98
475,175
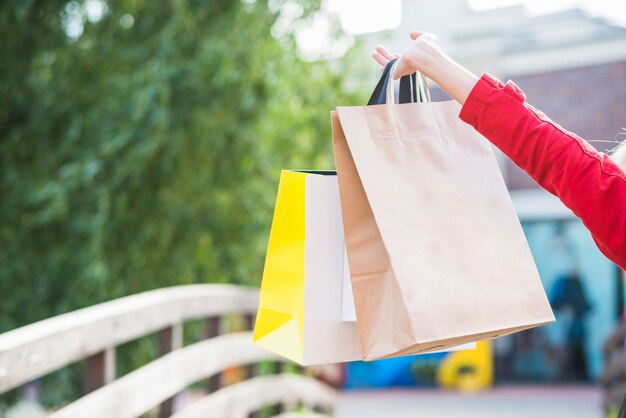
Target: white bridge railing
92,334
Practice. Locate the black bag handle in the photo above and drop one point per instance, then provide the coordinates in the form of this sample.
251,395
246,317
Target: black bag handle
408,87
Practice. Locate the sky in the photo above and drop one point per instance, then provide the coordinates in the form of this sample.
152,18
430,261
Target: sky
375,15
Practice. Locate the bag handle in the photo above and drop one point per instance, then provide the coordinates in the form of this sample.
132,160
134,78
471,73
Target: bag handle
413,89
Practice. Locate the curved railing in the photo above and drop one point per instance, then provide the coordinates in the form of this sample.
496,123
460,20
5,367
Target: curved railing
93,334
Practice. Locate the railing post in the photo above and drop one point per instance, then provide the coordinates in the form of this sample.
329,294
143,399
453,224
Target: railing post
94,372
170,338
99,370
280,367
252,369
212,329
109,365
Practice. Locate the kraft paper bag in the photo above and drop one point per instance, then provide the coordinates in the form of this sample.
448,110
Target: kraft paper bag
303,296
436,253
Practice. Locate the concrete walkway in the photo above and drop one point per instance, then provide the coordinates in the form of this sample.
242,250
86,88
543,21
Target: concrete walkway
507,402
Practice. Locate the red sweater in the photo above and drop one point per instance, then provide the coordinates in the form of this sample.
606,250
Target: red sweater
587,181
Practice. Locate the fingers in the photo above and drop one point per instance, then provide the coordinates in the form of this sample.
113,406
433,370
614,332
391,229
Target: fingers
382,56
383,51
405,62
380,59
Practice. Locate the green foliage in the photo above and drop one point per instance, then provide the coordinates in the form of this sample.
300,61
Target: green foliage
145,151
143,157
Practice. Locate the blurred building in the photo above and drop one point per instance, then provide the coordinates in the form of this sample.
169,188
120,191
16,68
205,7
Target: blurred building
572,67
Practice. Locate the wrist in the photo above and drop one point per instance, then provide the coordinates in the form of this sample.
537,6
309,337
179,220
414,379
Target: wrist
433,61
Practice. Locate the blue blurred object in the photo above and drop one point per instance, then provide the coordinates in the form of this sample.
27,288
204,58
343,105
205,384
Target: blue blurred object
393,372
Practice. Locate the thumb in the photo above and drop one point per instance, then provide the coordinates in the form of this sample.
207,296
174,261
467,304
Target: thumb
431,36
415,35
401,69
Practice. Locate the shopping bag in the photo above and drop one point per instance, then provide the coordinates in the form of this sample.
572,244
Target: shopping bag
306,311
436,253
300,305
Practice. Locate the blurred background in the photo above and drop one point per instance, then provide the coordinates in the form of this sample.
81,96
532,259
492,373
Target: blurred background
141,144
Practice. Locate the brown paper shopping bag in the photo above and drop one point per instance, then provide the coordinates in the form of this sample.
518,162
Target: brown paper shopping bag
436,253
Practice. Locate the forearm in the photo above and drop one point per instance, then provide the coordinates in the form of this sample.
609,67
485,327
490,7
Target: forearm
450,76
586,181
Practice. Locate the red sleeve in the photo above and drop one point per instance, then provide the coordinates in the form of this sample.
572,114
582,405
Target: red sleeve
587,181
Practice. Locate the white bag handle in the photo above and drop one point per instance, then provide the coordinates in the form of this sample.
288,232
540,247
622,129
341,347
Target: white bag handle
422,88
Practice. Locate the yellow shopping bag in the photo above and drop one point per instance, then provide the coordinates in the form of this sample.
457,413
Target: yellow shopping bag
299,314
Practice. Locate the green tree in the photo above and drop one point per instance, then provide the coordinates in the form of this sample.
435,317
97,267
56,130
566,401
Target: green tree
141,147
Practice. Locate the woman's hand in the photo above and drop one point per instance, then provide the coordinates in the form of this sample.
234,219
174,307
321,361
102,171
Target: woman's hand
427,57
417,58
